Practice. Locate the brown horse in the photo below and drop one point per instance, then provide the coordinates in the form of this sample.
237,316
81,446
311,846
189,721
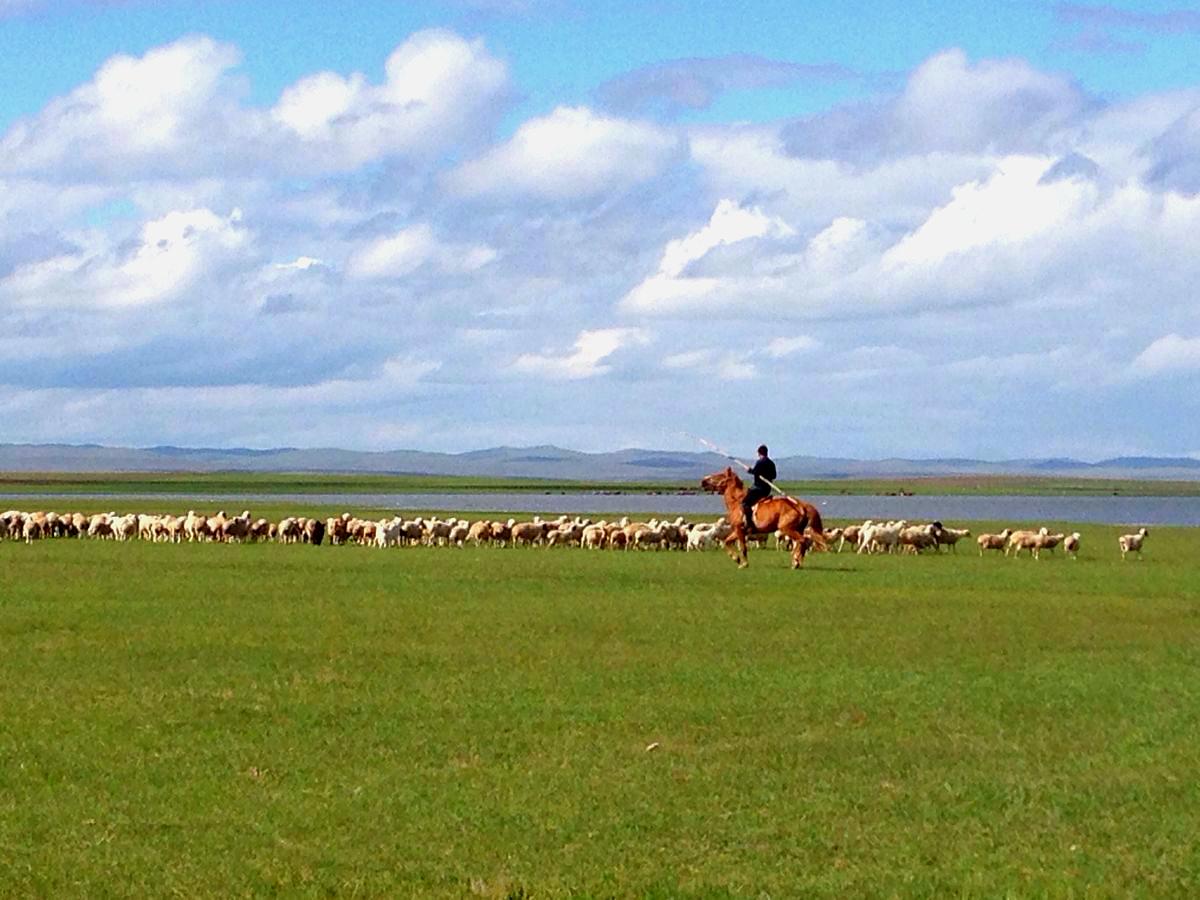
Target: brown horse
787,516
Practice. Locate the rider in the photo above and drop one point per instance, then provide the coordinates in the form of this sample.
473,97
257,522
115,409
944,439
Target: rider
762,468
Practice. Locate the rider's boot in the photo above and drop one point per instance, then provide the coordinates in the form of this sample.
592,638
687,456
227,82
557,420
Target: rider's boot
748,518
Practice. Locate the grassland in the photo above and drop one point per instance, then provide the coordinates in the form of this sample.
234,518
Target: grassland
140,483
295,721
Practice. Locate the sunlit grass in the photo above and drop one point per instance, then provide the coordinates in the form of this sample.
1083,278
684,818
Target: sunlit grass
209,720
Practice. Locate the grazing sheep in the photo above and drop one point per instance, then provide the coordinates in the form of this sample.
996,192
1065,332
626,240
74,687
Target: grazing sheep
1071,545
850,535
1026,540
312,532
238,528
288,531
100,526
1132,543
529,533
1050,541
876,537
993,541
949,537
502,532
125,527
479,532
594,536
458,533
708,536
389,532
916,538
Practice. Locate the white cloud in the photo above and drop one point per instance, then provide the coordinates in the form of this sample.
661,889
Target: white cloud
788,346
994,105
1169,354
1011,238
590,350
303,263
729,224
670,286
439,90
178,110
311,106
169,257
829,254
1011,207
573,152
402,253
161,112
717,364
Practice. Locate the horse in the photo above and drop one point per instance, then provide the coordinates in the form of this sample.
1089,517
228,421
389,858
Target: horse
787,516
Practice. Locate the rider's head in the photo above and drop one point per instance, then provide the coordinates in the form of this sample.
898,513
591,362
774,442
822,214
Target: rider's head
762,449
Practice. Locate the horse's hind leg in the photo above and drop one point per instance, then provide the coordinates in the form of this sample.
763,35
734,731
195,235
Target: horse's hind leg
799,545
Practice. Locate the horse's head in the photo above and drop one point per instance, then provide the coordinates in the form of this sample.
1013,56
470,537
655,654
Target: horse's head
717,482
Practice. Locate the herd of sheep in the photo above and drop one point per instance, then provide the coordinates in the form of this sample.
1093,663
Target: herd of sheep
888,537
869,537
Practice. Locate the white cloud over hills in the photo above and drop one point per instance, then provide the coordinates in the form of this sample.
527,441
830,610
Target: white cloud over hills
984,260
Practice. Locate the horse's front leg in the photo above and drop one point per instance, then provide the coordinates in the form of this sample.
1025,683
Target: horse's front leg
735,546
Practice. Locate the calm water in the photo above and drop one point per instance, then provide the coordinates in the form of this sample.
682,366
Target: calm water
1104,510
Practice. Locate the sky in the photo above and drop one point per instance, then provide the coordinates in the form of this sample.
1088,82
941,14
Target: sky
969,229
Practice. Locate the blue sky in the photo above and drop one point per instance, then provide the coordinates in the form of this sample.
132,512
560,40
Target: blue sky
560,51
451,225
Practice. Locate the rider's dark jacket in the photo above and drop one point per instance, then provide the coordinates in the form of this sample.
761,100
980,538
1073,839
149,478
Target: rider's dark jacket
763,468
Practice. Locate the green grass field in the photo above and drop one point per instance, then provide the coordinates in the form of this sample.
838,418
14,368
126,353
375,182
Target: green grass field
284,720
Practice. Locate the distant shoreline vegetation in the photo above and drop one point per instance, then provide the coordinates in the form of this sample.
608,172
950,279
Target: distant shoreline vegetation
134,483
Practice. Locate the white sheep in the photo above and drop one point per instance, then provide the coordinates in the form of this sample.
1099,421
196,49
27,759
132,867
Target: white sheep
1026,540
994,541
1132,543
1071,545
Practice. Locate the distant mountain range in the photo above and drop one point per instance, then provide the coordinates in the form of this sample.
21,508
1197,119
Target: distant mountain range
551,462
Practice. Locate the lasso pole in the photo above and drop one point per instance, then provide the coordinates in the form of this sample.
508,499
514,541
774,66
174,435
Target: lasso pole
715,449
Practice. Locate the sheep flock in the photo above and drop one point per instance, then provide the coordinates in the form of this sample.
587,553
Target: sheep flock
871,537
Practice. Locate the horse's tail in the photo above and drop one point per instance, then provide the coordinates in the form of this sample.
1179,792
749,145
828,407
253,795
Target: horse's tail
815,529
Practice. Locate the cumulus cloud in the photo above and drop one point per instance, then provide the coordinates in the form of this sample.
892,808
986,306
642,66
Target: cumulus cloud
1011,238
720,364
402,253
185,266
586,360
571,153
177,110
439,90
1170,354
671,284
787,346
948,104
150,114
166,260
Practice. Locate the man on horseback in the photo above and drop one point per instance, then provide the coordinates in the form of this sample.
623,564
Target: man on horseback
762,468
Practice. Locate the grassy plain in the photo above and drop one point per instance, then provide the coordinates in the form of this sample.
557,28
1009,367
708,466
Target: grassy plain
134,483
249,720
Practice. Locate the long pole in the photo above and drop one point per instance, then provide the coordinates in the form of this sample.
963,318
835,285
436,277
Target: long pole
715,449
